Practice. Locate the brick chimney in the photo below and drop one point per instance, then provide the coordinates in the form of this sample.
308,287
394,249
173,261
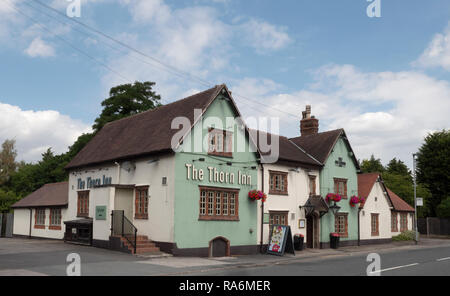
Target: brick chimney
309,125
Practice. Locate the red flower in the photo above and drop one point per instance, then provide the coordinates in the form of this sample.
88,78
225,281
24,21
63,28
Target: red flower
257,195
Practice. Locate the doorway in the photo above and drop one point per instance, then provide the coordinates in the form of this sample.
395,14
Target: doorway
313,231
219,247
124,200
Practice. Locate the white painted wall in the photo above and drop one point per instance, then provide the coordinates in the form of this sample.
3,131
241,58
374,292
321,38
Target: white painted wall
159,226
22,224
298,194
376,203
101,229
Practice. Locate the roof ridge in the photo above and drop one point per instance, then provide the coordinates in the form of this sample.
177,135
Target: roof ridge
162,106
296,146
321,133
55,183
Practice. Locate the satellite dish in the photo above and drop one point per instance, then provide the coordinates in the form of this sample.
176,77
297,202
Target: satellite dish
128,166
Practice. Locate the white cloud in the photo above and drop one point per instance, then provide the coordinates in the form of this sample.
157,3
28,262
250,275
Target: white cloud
39,48
36,131
437,54
264,36
384,113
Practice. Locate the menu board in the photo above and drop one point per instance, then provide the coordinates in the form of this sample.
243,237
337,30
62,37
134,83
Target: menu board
280,240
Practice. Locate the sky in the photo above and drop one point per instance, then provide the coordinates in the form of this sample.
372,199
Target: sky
385,79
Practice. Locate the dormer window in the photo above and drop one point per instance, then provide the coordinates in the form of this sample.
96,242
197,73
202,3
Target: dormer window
220,142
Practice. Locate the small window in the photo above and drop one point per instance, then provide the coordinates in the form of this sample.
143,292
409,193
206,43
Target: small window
341,224
278,218
394,222
220,143
403,222
141,203
55,219
278,183
39,218
83,204
340,187
375,225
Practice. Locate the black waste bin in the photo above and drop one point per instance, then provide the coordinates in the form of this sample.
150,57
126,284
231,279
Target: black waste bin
298,242
334,241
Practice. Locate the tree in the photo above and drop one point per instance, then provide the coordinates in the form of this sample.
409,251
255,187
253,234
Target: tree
443,209
125,100
8,164
433,164
79,144
7,198
372,165
30,177
398,167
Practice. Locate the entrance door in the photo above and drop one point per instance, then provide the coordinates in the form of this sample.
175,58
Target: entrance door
310,232
124,200
219,247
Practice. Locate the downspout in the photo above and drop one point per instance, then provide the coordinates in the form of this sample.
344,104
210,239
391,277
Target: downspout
31,217
262,211
118,172
359,226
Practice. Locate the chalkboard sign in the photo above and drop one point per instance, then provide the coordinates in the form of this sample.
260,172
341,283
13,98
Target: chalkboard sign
280,240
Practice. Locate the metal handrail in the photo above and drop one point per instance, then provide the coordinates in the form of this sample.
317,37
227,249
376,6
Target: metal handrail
124,227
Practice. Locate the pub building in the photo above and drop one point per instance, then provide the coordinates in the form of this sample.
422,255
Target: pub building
141,195
145,184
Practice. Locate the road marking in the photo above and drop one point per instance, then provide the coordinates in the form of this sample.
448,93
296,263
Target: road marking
443,259
393,268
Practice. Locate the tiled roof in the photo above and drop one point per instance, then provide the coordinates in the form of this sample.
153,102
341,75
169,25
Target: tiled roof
365,183
288,151
141,134
319,145
54,194
398,203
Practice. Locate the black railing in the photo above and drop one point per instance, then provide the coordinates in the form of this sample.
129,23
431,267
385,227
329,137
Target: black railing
121,226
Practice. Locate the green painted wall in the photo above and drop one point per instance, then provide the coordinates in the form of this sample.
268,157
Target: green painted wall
327,175
189,232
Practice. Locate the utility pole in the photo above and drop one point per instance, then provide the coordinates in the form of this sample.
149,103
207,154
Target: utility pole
415,198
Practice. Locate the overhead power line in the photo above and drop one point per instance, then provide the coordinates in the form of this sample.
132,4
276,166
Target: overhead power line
167,66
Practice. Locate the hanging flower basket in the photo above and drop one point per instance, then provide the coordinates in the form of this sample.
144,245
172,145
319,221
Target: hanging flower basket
354,200
333,197
257,195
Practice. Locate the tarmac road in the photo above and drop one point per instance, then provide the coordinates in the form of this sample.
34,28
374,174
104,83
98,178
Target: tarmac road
46,257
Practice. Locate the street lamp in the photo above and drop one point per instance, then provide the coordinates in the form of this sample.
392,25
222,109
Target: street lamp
335,208
415,197
308,208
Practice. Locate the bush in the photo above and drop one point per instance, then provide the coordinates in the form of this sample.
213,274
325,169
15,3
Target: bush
443,209
405,236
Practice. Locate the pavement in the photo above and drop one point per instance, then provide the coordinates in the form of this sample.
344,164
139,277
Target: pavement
20,256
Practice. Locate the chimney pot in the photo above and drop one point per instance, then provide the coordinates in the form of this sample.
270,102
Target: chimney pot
309,125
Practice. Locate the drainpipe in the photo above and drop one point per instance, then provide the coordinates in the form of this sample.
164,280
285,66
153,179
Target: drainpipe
262,211
31,217
118,172
359,226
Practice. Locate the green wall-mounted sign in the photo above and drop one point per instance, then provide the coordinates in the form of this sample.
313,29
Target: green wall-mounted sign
100,213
